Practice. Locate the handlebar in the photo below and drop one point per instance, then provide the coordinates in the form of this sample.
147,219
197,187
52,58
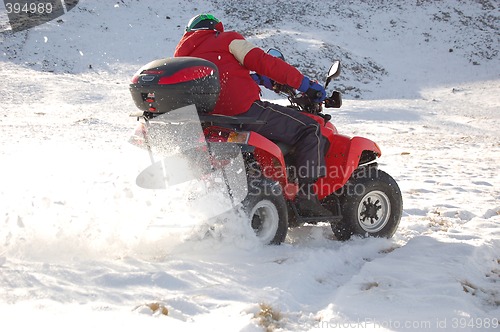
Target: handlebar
303,102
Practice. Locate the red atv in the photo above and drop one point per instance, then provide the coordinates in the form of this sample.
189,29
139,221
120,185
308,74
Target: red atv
176,96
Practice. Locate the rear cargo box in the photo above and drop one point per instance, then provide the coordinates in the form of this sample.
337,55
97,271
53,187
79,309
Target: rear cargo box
167,84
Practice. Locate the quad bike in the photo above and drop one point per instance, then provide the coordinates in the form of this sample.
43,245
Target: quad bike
181,92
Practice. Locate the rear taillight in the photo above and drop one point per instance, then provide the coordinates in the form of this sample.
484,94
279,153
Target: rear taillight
149,98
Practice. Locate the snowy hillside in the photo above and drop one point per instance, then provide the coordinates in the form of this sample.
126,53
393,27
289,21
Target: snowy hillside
82,247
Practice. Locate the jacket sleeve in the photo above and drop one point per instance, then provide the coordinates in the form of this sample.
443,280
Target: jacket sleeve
254,58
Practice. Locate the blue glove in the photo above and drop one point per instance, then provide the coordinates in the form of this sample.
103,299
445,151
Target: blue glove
313,90
262,80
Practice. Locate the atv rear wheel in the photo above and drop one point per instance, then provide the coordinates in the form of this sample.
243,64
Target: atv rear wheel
265,206
371,205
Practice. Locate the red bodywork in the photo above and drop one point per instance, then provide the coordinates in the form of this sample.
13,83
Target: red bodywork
342,157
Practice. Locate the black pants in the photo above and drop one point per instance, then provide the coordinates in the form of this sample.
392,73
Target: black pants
289,126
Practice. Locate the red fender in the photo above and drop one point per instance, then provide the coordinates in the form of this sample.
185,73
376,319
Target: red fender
266,153
342,160
269,156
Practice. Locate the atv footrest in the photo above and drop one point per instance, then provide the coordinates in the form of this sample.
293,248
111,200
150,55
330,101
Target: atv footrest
314,220
300,220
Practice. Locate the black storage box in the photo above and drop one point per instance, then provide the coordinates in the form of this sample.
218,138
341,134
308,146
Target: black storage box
167,84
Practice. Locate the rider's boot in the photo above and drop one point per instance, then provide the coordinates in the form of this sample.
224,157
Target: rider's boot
308,203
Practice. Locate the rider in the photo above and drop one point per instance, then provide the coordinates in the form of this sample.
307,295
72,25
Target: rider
235,57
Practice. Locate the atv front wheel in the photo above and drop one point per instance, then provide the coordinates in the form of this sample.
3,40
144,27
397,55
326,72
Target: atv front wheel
265,206
371,205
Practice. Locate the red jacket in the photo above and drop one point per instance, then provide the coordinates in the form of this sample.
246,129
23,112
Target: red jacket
235,58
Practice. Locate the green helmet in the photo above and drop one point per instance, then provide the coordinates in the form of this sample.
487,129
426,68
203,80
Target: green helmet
203,22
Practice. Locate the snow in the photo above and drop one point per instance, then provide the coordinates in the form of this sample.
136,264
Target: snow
83,247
